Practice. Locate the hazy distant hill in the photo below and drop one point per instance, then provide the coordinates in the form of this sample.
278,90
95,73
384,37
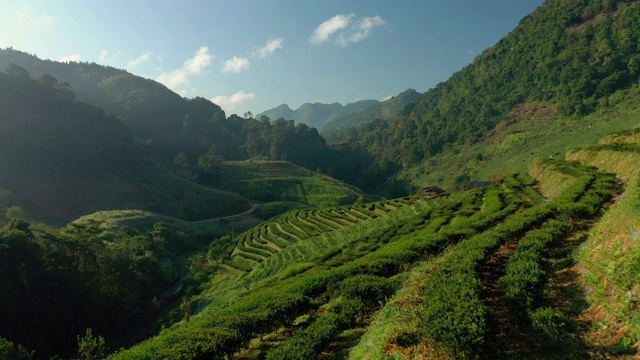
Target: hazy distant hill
384,110
61,159
317,115
149,108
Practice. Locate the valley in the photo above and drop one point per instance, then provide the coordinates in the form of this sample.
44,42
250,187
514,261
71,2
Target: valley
494,216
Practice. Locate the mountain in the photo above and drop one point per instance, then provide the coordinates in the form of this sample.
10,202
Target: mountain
565,60
540,262
61,158
384,110
147,107
317,115
282,111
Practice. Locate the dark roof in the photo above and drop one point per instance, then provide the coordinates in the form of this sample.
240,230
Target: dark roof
478,184
431,190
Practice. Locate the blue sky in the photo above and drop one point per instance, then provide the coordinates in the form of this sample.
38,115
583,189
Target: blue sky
253,55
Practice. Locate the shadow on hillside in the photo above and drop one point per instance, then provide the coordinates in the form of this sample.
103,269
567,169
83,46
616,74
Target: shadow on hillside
555,332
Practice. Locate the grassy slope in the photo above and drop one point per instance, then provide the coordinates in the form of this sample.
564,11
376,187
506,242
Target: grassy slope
609,259
534,130
113,221
269,181
172,195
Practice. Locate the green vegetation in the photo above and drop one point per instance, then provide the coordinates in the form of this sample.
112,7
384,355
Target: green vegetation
525,96
532,266
269,181
75,279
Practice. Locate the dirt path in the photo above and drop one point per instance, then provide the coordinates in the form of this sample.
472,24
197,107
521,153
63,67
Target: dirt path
507,338
252,209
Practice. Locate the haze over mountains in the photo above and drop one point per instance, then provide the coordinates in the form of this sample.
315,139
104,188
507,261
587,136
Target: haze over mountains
312,247
326,117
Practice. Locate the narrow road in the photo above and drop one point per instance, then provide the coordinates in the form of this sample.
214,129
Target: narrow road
252,209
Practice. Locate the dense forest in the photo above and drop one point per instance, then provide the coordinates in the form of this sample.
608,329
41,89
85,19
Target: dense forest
56,284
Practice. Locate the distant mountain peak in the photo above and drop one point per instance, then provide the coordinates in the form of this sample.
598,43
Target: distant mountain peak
317,114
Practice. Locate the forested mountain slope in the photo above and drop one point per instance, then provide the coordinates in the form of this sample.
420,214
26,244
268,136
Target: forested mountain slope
61,159
568,58
146,106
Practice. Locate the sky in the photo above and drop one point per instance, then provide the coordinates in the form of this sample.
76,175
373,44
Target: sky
253,55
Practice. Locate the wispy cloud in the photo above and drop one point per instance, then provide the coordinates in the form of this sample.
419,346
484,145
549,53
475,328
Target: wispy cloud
26,17
269,48
344,30
146,56
191,67
230,103
107,57
235,65
69,58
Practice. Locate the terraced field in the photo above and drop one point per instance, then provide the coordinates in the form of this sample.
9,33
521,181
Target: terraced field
282,181
487,273
272,237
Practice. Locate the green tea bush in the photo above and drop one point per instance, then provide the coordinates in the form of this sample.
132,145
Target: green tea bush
308,343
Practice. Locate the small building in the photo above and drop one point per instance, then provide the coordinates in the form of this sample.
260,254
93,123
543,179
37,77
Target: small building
430,192
478,184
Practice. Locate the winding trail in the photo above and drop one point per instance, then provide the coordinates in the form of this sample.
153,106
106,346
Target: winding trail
252,209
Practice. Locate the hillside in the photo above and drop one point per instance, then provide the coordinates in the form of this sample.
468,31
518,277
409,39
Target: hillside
148,108
540,262
488,273
269,181
317,115
384,110
565,60
61,159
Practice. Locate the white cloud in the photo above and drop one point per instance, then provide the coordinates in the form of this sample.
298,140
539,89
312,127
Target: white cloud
103,55
345,29
388,98
68,58
173,79
146,56
190,67
201,60
324,31
269,48
235,65
230,103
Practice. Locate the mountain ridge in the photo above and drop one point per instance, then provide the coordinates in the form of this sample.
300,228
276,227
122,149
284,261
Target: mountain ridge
317,114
